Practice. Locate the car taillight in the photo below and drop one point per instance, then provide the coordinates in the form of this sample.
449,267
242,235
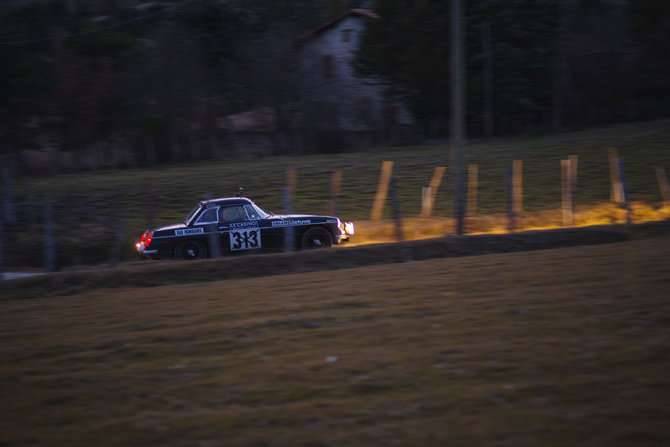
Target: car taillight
144,236
147,240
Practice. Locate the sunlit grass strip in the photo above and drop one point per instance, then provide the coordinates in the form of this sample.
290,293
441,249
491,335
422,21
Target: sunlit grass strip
415,228
174,189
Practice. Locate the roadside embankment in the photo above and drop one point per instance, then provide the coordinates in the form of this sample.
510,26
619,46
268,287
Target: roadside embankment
157,273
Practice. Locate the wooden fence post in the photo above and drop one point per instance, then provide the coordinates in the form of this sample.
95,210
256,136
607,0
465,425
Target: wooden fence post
511,207
616,189
335,184
382,191
625,192
567,188
428,196
289,234
49,237
395,207
663,185
517,186
574,161
473,185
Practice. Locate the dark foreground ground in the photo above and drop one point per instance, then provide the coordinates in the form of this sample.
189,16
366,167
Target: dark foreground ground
552,347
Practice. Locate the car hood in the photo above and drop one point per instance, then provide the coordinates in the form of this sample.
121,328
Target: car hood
300,216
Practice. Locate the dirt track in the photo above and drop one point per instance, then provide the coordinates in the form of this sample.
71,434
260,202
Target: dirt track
152,273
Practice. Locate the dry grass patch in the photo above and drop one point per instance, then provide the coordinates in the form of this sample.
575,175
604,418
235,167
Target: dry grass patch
552,348
416,228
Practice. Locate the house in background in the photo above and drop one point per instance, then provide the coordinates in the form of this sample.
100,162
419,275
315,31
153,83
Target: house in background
337,101
336,110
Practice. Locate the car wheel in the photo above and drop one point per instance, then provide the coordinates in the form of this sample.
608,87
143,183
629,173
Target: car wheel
189,250
316,237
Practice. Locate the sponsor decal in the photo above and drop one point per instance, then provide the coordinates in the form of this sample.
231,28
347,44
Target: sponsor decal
242,225
189,231
245,239
290,222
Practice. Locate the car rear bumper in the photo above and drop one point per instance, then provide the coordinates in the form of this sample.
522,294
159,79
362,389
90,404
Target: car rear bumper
142,250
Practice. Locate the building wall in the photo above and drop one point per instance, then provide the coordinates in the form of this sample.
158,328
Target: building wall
358,104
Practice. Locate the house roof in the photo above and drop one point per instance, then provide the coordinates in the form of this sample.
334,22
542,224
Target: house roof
356,12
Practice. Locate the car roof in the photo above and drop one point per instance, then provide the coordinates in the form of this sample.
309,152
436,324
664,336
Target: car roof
226,201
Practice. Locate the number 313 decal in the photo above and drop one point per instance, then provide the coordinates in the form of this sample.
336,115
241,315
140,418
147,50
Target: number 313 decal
245,239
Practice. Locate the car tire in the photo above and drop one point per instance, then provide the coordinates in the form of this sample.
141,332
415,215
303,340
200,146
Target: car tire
316,237
190,250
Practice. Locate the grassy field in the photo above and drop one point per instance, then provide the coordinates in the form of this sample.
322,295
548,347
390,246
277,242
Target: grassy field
92,207
557,347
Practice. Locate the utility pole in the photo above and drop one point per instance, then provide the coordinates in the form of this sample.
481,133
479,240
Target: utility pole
457,111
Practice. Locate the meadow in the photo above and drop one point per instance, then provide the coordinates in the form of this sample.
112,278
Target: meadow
99,215
557,347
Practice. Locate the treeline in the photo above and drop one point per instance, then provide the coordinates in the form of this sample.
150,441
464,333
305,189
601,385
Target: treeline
531,64
147,74
158,74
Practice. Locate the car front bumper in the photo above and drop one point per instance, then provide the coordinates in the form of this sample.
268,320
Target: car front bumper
346,231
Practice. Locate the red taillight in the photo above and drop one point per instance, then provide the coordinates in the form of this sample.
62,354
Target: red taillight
144,235
147,240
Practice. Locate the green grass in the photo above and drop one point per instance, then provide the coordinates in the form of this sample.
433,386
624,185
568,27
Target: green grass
553,348
91,206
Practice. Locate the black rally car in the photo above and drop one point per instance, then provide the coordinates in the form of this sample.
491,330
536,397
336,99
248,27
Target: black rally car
237,224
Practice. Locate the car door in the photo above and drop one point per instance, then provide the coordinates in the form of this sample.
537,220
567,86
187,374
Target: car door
207,224
240,231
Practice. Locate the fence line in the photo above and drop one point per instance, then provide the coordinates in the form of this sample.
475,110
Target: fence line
429,193
473,186
382,191
40,214
335,186
568,188
663,185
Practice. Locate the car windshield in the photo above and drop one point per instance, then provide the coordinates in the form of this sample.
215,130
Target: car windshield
192,214
260,211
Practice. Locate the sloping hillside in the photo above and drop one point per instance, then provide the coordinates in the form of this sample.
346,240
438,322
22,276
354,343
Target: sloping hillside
550,347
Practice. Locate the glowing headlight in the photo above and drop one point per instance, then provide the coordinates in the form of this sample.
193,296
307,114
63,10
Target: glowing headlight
349,228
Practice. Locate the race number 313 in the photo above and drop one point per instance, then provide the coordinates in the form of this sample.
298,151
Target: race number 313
245,239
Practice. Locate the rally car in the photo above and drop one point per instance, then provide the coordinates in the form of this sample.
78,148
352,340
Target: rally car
237,224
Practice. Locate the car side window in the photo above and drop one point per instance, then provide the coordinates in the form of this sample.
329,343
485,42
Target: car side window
233,214
210,215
